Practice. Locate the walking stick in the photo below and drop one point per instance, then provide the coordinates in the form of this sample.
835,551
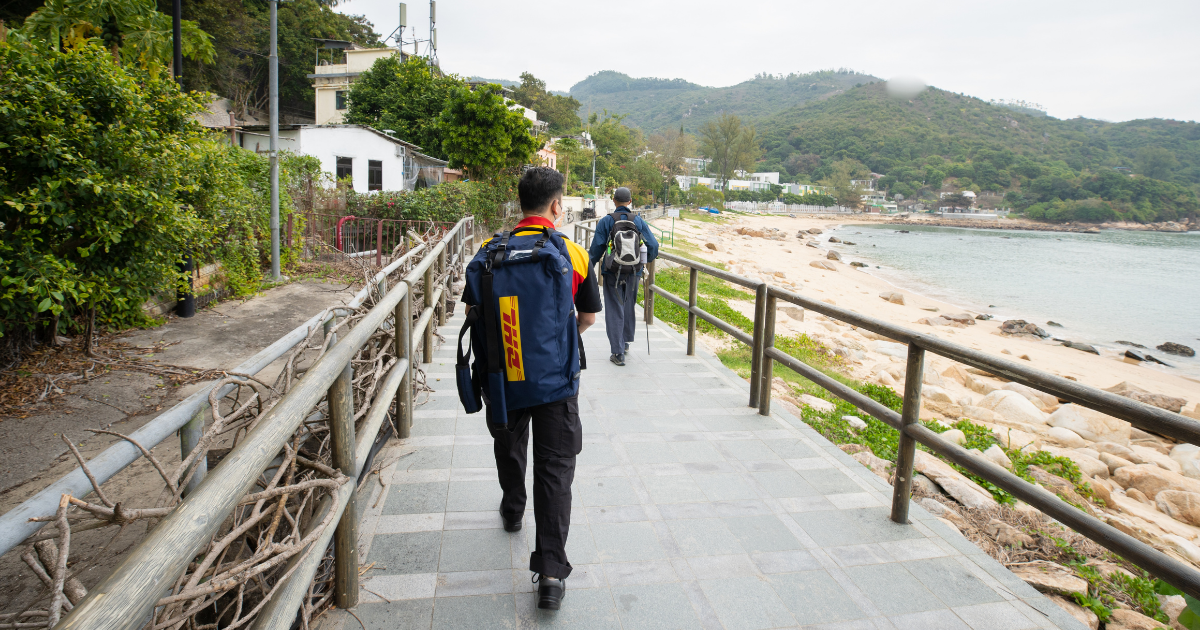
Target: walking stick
646,300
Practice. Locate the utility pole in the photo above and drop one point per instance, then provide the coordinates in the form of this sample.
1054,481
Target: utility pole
273,64
186,304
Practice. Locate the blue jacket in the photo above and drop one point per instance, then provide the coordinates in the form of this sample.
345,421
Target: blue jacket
604,229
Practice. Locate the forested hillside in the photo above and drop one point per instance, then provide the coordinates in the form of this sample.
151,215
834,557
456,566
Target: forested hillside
919,143
656,104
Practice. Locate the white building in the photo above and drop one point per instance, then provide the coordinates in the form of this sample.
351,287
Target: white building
371,159
539,126
332,80
696,166
770,178
803,189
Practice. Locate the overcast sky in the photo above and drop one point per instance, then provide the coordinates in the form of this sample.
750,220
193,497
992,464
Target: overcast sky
1101,59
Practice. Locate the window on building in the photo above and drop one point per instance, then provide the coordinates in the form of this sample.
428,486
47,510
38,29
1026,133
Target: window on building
339,98
345,170
374,175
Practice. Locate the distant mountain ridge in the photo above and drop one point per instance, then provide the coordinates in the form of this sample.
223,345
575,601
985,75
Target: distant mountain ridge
653,104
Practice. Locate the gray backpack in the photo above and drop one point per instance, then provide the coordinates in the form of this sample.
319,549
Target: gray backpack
624,244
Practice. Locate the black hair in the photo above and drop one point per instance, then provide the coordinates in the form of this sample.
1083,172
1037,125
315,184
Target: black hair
538,187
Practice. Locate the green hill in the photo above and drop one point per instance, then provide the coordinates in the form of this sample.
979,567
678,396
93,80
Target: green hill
654,104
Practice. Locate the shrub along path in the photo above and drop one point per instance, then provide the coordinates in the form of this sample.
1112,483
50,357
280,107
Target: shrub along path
690,510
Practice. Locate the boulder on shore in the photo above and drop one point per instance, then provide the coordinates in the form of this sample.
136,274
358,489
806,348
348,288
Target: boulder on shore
1180,505
1014,406
893,297
1048,577
1022,327
1152,479
834,239
832,255
955,484
814,230
1083,615
1162,401
1176,348
1091,425
1083,347
821,264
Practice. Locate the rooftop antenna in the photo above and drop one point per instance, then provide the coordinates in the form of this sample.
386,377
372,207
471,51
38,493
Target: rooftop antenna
433,60
398,34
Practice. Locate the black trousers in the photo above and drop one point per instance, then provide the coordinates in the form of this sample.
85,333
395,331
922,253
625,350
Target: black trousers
557,439
619,319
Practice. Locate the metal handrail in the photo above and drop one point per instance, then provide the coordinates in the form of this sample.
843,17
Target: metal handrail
764,355
125,597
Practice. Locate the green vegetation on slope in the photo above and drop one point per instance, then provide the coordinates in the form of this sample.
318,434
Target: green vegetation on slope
657,104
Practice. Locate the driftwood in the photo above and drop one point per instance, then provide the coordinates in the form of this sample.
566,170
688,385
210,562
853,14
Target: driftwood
238,571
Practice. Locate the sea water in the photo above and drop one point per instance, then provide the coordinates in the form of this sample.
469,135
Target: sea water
1123,285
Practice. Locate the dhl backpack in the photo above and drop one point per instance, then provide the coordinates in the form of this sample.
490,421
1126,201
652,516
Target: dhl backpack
521,323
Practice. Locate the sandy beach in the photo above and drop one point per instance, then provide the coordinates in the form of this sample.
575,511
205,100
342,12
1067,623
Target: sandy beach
787,263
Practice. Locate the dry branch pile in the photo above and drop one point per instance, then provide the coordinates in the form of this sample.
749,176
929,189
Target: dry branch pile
238,571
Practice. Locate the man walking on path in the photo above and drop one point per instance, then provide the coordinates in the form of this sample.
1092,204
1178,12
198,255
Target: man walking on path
619,236
557,431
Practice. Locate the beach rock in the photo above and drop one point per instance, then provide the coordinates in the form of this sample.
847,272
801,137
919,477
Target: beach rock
713,246
1047,400
1183,547
1022,327
1082,347
979,385
982,415
933,321
1129,390
817,403
1125,619
954,483
961,318
851,449
814,231
821,264
850,243
1048,577
1151,479
1090,466
1014,406
1188,458
1016,438
893,297
795,312
955,436
1149,455
833,255
1065,437
1114,462
1180,505
956,373
1120,450
877,465
996,455
983,317
1172,605
1054,323
1176,349
1090,425
1062,487
1102,489
744,231
856,423
812,244
1130,343
834,239
858,264
1193,413
1007,535
1083,615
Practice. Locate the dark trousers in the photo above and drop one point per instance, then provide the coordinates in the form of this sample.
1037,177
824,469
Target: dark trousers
619,320
557,439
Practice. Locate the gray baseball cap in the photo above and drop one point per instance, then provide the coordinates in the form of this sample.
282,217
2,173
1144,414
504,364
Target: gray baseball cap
622,195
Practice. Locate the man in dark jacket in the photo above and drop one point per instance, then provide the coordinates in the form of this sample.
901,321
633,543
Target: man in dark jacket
620,290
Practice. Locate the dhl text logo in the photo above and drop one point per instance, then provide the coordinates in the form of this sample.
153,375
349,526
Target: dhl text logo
510,323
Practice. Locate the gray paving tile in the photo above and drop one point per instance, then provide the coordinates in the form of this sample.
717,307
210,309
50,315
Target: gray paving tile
995,616
785,561
830,481
427,457
677,511
581,548
704,537
626,542
931,620
474,496
673,489
475,550
649,453
762,533
604,491
784,483
858,555
654,607
692,452
725,487
746,604
815,597
587,609
416,498
483,612
616,514
892,589
414,552
876,524
411,613
433,426
631,573
790,448
747,450
741,508
464,583
952,582
597,454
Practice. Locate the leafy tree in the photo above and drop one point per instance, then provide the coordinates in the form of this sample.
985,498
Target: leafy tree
645,180
133,30
1156,162
92,158
480,134
701,195
405,96
670,148
730,144
840,185
560,112
955,200
805,163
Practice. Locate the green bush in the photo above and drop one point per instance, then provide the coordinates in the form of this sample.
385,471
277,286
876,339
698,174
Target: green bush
445,202
93,157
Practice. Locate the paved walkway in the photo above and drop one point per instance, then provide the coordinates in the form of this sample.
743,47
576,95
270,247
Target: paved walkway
690,511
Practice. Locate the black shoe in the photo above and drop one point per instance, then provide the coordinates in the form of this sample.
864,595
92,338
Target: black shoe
550,592
627,345
511,526
618,359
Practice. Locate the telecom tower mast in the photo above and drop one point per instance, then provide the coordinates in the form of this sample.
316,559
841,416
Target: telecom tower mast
398,34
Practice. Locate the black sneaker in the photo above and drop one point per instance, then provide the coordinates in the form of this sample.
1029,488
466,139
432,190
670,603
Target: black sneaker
627,345
511,526
550,592
618,359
